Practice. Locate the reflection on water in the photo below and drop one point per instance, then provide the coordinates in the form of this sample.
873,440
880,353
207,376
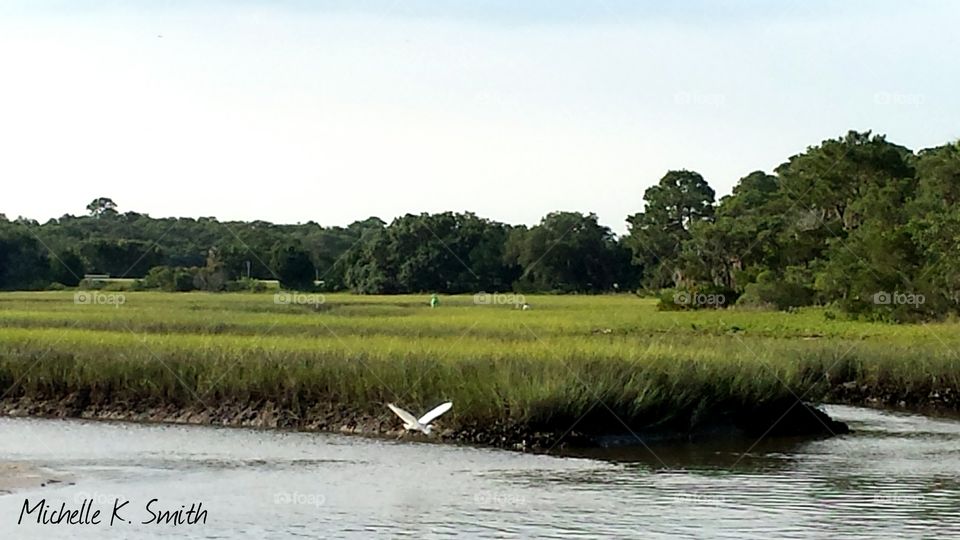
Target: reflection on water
895,476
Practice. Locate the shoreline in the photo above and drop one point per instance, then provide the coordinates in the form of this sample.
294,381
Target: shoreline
599,428
776,419
19,475
944,401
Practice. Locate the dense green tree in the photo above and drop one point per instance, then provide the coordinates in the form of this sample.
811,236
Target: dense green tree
751,220
66,268
671,209
369,266
832,179
446,252
328,248
102,206
568,251
934,225
24,263
848,200
292,266
121,258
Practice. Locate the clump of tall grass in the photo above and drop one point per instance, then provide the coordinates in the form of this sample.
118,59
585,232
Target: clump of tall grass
613,359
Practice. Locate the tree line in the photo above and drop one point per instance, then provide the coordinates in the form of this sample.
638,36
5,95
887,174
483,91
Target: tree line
857,222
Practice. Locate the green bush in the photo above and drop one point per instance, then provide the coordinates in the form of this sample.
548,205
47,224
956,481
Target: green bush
209,279
246,284
171,279
775,293
706,296
117,286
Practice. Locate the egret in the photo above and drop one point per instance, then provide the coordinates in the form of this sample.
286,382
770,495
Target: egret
412,423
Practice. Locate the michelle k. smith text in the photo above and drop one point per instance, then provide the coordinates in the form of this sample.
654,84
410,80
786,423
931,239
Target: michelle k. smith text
121,513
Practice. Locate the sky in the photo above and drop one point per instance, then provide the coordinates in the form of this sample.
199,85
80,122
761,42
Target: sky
295,111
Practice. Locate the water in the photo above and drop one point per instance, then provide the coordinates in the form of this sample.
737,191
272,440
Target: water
895,476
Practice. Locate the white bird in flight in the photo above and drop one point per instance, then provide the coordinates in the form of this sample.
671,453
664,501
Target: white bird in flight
412,423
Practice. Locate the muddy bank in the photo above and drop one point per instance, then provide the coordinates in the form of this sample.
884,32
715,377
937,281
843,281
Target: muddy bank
600,428
940,400
17,475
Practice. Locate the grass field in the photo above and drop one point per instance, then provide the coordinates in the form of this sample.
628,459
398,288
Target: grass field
550,365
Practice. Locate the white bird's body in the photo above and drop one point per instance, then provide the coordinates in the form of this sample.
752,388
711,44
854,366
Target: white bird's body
412,423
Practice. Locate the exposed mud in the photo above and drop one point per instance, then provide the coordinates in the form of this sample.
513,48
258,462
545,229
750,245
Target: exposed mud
17,475
935,400
788,418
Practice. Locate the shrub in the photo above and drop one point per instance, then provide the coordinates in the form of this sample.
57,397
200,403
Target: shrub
245,284
707,296
771,291
209,279
116,286
170,279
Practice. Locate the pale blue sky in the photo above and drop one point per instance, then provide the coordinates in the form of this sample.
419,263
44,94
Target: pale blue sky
335,111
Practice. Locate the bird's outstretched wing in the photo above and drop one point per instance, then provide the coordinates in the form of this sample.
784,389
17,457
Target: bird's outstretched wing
436,412
404,415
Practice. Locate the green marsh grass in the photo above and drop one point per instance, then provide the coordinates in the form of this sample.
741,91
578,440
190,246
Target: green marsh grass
544,367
